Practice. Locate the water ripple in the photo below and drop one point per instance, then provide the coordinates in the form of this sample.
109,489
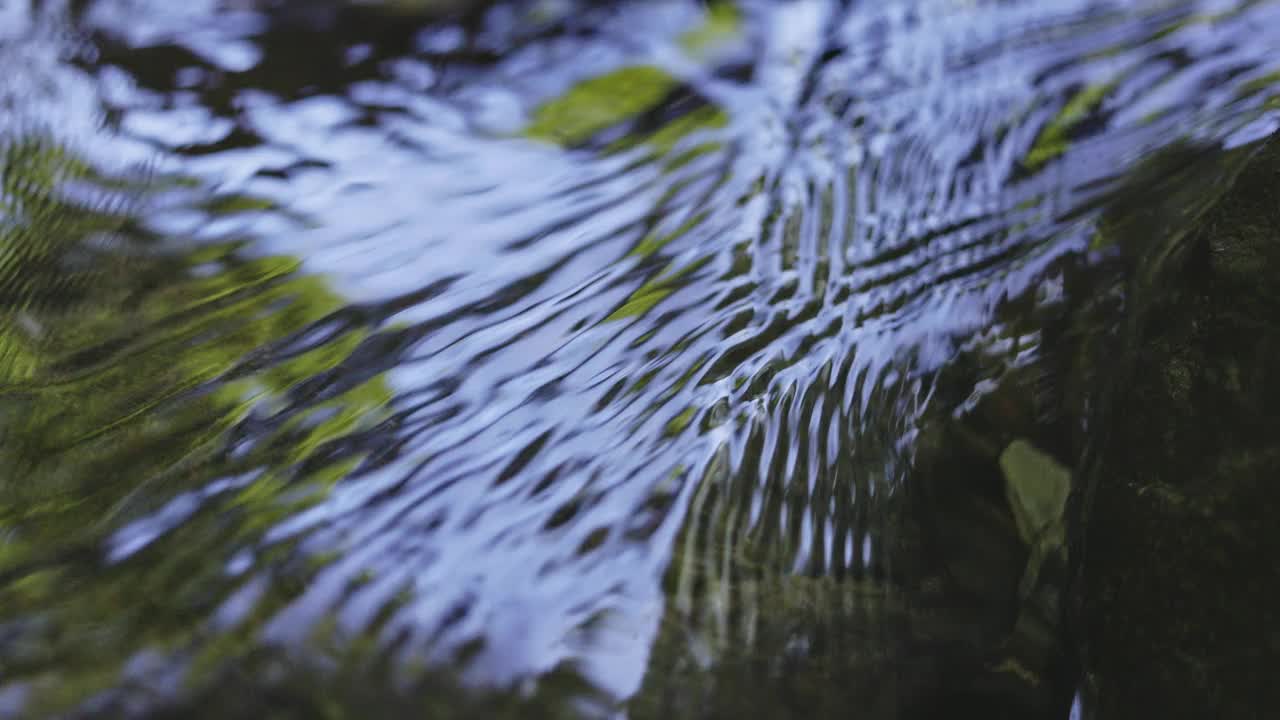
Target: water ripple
540,337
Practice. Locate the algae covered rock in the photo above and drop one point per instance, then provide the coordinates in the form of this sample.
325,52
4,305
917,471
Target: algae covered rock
1178,585
1037,488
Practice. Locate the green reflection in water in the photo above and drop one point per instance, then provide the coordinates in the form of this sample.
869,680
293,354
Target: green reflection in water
600,102
1054,139
129,364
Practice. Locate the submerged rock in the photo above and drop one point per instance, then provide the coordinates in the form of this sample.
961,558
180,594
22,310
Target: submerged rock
1178,586
1036,487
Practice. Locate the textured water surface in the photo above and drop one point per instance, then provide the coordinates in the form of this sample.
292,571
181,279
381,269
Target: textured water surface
529,338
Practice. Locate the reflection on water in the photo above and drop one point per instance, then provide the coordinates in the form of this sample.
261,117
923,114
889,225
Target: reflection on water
593,336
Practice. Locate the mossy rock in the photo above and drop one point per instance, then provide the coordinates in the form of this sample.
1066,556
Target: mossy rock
1177,597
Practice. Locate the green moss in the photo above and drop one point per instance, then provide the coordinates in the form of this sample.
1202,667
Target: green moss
724,21
1055,137
600,102
604,101
665,139
1263,83
124,372
653,243
1036,487
654,291
677,424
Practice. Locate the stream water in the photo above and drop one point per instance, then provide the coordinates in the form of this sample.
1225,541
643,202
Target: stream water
352,341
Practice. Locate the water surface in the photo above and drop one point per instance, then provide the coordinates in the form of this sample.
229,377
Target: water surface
551,336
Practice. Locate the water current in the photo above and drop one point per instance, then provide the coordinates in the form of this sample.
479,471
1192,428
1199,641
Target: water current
359,340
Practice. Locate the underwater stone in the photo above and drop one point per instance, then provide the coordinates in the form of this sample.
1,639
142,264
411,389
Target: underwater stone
1177,593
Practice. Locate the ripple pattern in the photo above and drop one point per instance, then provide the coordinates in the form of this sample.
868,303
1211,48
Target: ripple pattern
512,342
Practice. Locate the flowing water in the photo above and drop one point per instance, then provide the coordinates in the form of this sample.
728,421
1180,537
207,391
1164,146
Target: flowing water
359,341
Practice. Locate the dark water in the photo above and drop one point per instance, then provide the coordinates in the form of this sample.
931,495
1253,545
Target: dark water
361,343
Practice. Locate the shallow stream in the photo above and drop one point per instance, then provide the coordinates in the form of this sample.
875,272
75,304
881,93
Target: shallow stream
603,337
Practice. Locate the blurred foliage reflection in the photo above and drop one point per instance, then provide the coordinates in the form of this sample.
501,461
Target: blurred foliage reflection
150,389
